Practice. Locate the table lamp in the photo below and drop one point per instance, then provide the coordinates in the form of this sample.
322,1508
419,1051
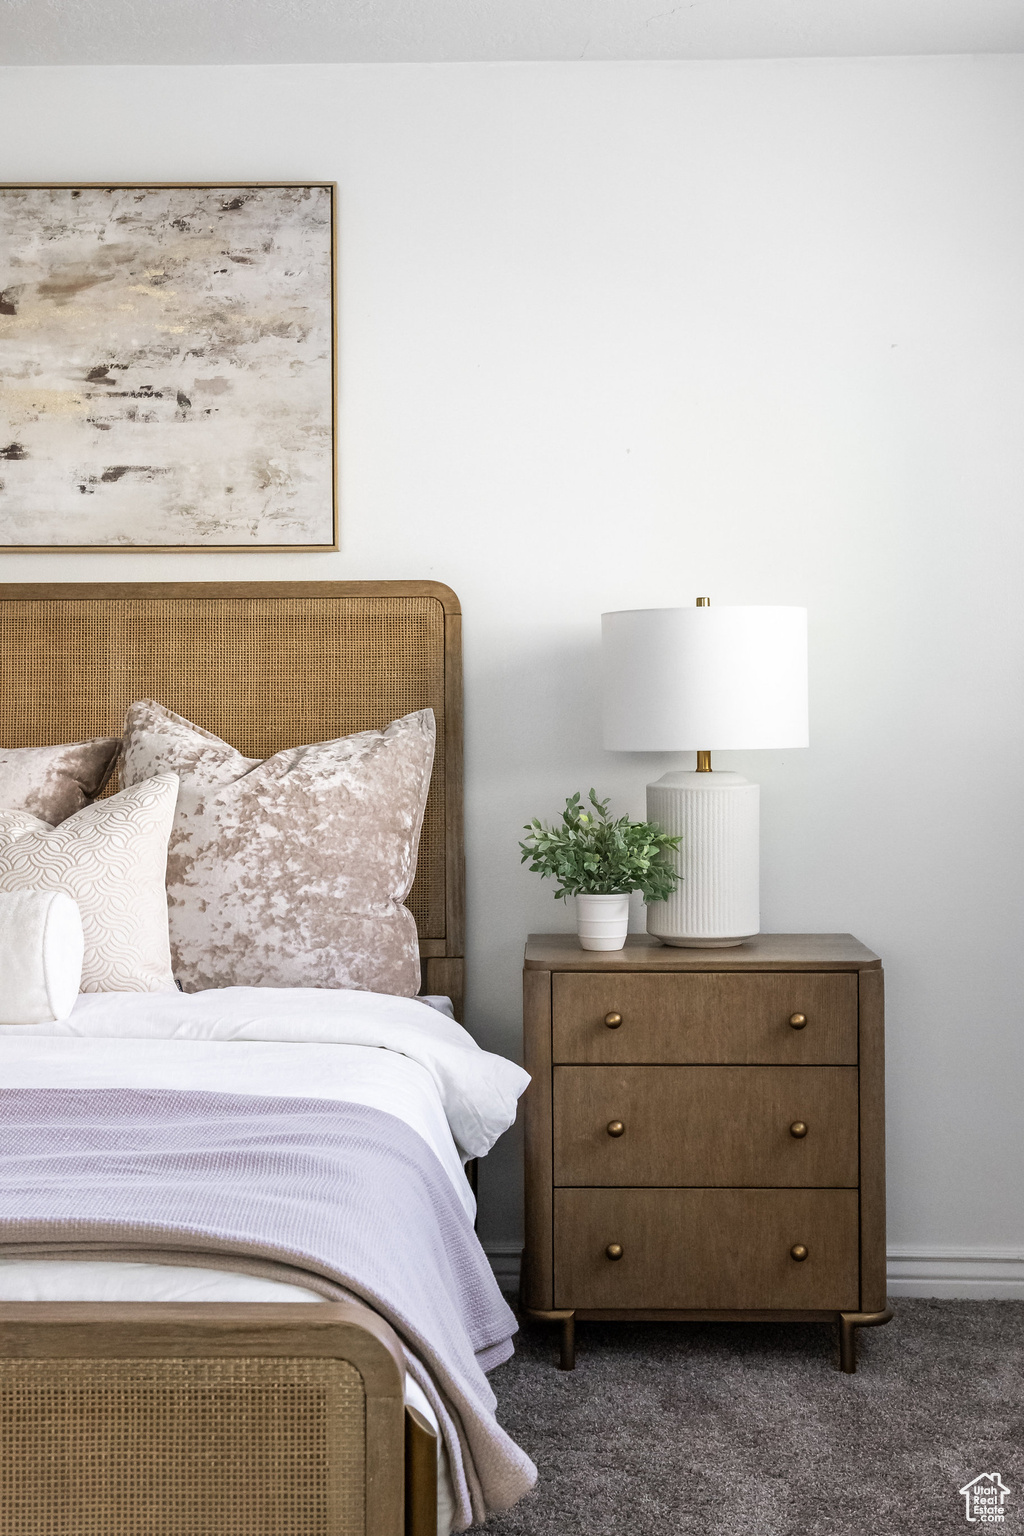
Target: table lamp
699,680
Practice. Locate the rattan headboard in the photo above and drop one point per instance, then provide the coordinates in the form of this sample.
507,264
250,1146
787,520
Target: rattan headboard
266,665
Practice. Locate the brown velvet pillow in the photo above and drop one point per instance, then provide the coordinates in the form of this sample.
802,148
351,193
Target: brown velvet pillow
290,872
52,783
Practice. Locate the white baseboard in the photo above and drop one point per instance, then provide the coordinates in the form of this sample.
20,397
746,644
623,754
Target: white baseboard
971,1274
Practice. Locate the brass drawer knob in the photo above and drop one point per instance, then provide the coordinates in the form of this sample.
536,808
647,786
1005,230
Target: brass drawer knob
798,1128
613,1020
797,1020
615,1127
798,1252
613,1251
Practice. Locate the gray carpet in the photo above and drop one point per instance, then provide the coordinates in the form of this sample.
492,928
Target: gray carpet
749,1430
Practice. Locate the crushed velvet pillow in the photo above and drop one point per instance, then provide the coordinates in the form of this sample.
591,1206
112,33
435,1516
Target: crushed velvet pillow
52,783
291,872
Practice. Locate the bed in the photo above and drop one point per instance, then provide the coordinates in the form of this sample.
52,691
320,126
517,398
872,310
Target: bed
276,1418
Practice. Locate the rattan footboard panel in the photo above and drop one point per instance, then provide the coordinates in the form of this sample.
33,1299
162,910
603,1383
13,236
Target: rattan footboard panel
182,1447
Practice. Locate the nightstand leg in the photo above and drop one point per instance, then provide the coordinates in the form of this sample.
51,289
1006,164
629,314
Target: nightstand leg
849,1322
567,1352
567,1357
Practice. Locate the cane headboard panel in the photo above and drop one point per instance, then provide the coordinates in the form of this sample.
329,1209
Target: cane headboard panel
265,665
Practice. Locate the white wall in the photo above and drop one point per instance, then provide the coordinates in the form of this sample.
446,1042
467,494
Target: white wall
615,335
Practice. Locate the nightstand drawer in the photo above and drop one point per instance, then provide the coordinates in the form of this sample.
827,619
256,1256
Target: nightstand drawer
705,1017
705,1125
706,1248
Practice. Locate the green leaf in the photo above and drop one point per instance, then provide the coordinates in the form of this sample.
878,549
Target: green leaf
592,853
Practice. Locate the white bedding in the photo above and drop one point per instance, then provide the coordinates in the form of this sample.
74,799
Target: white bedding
392,1054
478,1090
355,1074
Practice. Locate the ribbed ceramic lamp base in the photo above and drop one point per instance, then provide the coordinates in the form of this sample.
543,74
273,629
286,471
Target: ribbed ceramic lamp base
717,901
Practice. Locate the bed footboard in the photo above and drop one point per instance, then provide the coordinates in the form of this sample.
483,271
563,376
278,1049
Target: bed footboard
188,1420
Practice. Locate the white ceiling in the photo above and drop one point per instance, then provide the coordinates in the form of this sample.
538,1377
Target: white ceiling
395,31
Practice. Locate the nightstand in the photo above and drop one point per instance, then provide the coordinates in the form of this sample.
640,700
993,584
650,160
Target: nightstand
705,1133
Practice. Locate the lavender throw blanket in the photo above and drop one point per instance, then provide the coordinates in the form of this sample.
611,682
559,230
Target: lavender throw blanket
341,1198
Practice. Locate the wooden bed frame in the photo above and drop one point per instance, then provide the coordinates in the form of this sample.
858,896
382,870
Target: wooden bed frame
263,1419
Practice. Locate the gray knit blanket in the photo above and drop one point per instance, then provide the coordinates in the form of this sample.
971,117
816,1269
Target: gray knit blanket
340,1198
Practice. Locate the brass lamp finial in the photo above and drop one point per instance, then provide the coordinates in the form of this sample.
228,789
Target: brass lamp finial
703,758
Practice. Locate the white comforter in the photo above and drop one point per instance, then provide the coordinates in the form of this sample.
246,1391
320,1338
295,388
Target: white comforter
478,1090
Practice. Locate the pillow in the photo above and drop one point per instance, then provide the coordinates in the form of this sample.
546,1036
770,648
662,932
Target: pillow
55,782
41,951
112,858
290,872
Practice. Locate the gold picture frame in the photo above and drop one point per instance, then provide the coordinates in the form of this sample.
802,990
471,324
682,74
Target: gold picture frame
170,382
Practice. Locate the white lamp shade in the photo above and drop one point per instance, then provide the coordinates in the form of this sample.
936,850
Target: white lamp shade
704,679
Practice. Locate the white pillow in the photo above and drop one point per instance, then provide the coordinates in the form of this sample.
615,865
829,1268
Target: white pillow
41,953
111,858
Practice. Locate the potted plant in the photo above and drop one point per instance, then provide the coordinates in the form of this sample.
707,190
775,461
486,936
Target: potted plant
600,861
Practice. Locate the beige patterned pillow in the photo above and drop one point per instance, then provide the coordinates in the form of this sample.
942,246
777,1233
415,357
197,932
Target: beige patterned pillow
290,872
112,859
55,782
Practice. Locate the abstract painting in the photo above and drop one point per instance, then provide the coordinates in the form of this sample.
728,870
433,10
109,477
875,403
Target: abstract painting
167,367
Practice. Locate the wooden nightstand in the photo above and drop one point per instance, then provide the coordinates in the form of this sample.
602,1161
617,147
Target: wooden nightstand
705,1133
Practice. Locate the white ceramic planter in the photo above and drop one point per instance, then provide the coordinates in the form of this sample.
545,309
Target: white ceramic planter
602,921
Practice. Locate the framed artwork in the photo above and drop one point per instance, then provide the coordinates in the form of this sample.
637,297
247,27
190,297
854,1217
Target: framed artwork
168,361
